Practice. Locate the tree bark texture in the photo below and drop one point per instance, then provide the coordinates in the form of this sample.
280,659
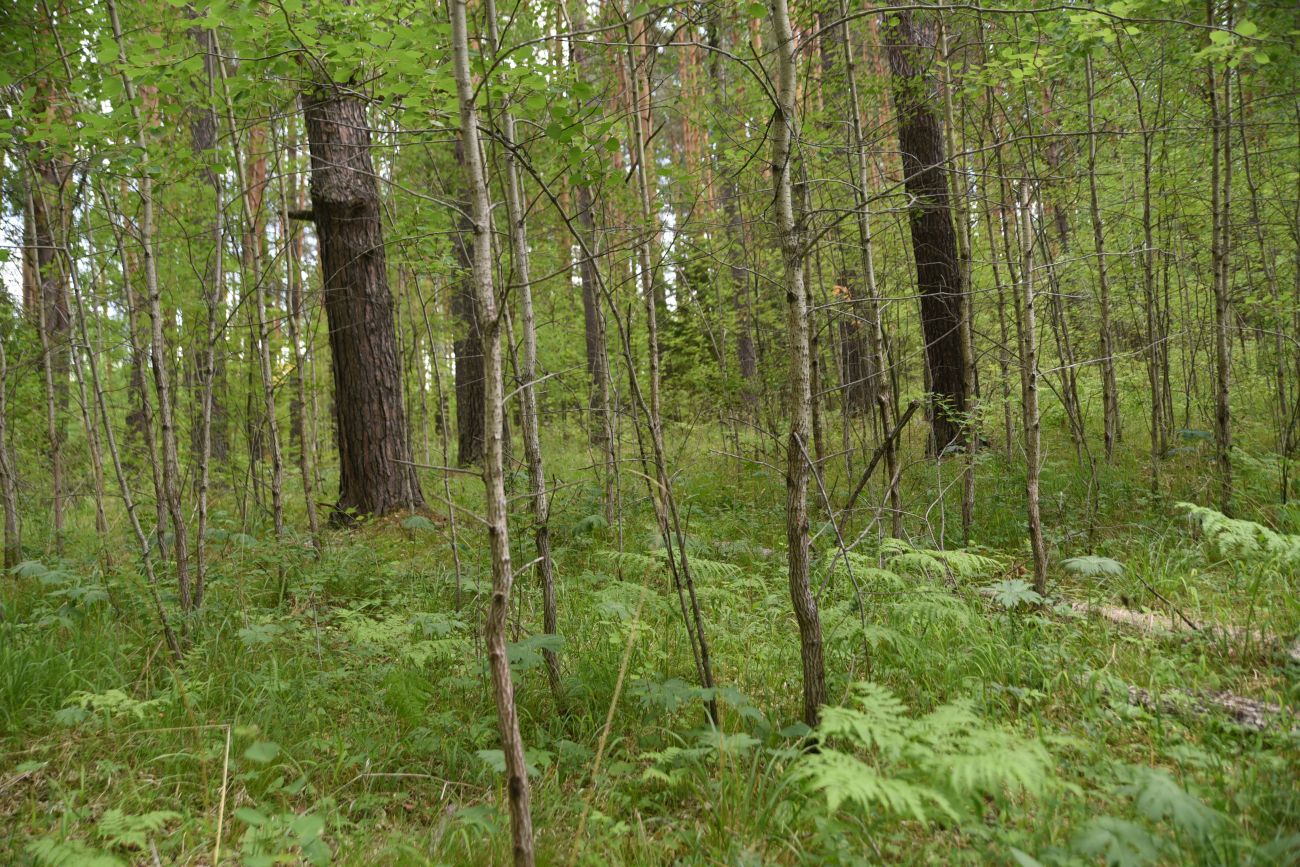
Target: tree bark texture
934,241
375,476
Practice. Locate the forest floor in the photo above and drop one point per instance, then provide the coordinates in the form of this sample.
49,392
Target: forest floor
337,709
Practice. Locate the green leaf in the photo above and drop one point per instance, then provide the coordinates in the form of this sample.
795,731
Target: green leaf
249,816
1117,842
1013,593
262,752
1093,566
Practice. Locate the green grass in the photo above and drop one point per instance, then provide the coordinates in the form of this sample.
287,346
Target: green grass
354,699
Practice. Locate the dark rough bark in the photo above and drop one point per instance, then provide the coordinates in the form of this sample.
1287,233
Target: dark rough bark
468,348
592,326
855,354
746,357
468,344
47,214
203,142
370,423
934,240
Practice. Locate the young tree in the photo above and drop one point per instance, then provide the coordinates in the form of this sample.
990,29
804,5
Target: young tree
790,236
490,319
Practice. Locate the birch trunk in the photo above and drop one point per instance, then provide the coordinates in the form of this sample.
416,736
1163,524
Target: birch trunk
528,376
785,131
521,823
157,344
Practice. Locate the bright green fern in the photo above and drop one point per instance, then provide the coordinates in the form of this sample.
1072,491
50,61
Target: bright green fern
876,756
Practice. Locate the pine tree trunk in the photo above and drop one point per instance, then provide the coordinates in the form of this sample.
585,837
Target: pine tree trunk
375,474
934,242
468,346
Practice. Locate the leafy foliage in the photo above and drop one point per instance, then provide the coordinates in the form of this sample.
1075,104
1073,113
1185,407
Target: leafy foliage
1242,539
128,831
1014,593
932,563
48,852
1093,566
928,767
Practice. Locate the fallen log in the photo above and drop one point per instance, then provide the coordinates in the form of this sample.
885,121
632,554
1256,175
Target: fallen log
1150,623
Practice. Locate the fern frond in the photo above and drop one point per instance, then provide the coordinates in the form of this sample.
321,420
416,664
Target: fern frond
879,720
932,563
69,853
844,779
132,832
1159,798
1241,539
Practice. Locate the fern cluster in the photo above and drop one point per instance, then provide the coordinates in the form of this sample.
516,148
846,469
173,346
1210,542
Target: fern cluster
932,563
875,755
1239,539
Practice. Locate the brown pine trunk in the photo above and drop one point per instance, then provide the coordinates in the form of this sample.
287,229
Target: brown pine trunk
46,206
375,474
468,345
934,241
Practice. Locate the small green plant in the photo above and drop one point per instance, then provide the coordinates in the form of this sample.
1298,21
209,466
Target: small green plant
876,756
1237,538
1014,593
1093,566
126,831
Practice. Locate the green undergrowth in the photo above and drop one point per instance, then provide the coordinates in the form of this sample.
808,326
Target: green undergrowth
337,710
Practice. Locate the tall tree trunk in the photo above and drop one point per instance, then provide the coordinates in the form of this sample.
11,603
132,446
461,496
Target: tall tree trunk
171,473
123,482
203,142
13,545
47,206
962,211
521,822
530,422
934,242
1220,243
601,420
289,196
868,306
785,133
1109,388
661,492
1029,377
375,473
1156,348
468,345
